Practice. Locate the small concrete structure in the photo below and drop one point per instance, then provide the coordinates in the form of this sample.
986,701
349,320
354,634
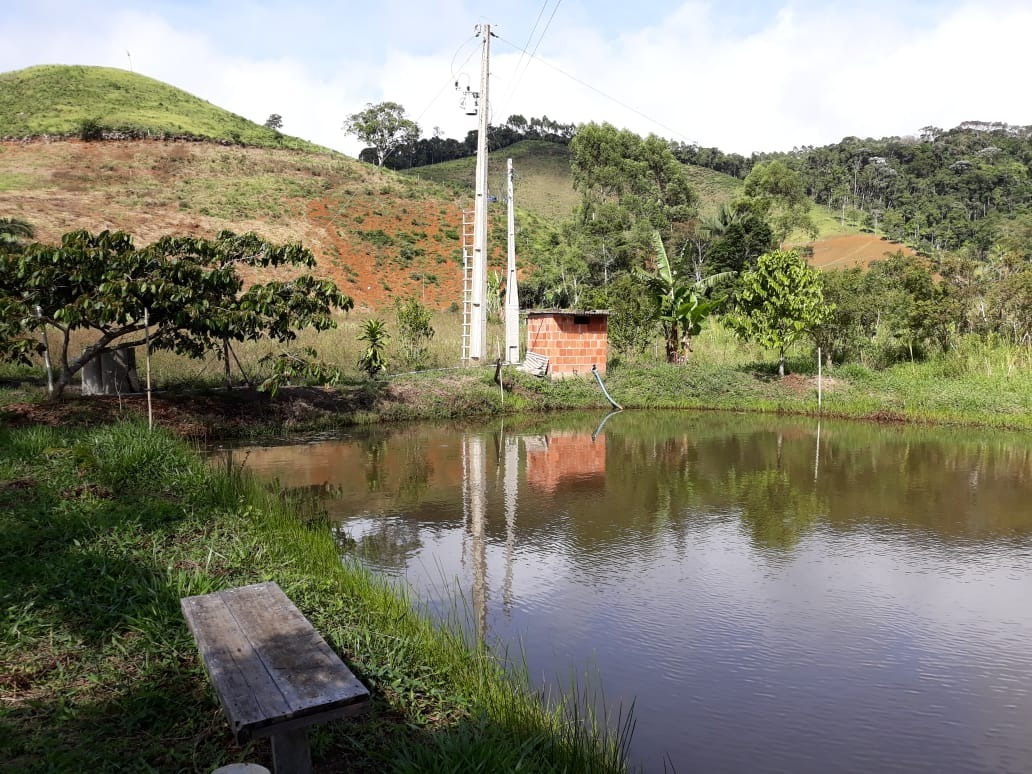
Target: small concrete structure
111,373
573,341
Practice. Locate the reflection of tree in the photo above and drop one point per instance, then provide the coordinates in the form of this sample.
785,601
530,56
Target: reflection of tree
390,543
775,511
375,450
416,469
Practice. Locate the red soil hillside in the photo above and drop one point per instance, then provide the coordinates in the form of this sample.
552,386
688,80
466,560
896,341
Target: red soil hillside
381,236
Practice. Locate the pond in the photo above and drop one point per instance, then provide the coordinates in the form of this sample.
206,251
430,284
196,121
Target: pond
774,594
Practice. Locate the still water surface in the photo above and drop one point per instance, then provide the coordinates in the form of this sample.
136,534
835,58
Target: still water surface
775,594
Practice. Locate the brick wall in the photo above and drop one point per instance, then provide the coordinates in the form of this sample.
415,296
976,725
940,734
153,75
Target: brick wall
571,342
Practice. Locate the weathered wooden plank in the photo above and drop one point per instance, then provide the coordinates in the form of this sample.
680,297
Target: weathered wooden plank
270,668
228,656
534,364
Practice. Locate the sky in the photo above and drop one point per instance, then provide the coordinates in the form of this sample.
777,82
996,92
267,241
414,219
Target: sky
742,75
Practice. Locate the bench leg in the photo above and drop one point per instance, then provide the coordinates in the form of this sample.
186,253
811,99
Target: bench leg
291,753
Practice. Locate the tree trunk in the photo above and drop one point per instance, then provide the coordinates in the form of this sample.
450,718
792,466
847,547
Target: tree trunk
781,364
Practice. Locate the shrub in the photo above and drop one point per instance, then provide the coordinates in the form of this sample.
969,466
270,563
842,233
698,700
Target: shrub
90,130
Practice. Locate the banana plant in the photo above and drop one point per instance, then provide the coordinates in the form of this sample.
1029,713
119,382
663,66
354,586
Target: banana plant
683,306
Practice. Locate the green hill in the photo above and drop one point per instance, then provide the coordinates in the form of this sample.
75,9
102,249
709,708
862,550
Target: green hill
64,99
543,182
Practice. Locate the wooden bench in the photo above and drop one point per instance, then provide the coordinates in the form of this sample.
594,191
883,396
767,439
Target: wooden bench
273,673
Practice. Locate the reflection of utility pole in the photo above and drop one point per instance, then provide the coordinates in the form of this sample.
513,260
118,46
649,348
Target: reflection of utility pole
510,483
475,502
817,456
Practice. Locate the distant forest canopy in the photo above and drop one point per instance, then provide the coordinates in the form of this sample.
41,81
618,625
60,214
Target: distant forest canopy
436,149
940,190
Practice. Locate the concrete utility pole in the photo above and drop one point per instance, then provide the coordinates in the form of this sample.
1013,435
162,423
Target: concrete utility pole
478,317
512,296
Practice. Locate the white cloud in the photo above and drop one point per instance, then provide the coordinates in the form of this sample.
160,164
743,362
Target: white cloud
796,75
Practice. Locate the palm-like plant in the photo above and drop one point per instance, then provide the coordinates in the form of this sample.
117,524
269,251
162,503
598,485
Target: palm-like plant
683,306
13,231
374,334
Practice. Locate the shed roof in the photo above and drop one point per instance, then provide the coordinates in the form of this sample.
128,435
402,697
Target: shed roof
577,312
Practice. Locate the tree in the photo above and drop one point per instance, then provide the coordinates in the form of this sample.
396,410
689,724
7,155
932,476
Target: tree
781,195
633,315
274,122
629,187
851,323
187,291
415,332
383,127
682,308
738,236
777,302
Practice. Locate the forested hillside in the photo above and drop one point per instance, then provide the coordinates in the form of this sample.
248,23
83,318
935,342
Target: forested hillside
941,191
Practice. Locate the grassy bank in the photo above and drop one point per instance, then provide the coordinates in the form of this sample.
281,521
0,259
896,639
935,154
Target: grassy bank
104,531
974,383
990,392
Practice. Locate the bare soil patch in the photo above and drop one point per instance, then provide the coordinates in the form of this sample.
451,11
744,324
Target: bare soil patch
843,252
380,236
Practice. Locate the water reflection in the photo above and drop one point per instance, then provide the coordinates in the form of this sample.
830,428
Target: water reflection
778,595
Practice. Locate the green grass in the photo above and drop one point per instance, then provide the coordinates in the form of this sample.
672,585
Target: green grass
713,188
829,224
975,383
105,530
57,99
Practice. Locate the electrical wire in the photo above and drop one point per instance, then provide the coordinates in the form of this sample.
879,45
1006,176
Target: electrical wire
518,77
601,93
526,45
545,30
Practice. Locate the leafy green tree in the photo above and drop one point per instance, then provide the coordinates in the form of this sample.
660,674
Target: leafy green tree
850,324
374,359
629,187
561,272
186,290
911,309
1010,305
415,332
297,365
781,195
274,122
778,302
633,315
383,127
738,235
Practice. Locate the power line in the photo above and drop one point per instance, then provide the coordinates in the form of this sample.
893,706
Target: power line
530,37
517,76
601,93
545,30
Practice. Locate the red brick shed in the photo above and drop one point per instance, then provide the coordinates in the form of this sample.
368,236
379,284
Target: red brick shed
572,341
